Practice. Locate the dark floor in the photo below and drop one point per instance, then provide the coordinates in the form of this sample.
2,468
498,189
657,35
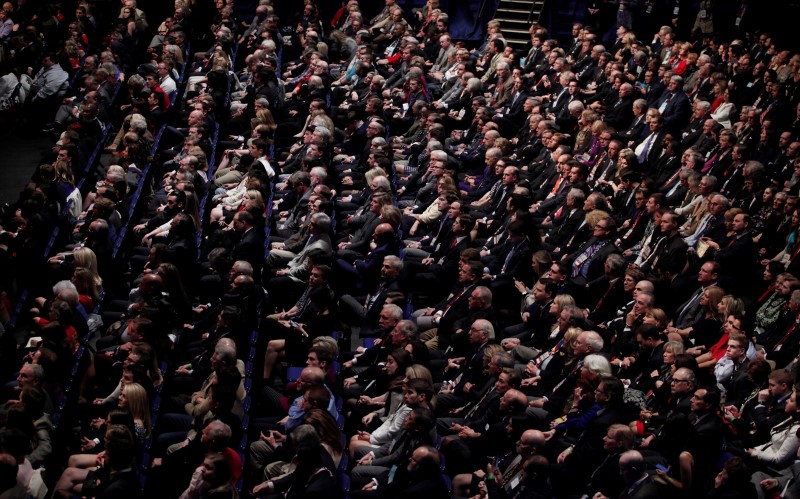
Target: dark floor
19,155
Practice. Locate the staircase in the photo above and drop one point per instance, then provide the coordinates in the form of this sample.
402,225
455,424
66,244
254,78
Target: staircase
515,18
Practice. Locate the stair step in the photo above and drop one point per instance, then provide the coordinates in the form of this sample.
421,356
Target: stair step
505,21
526,3
521,31
513,11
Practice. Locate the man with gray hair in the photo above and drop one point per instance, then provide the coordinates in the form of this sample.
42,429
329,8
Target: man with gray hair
634,131
712,225
694,129
674,105
389,317
620,115
557,381
365,310
295,265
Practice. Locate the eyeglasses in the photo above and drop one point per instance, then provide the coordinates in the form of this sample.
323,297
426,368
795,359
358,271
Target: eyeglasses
675,380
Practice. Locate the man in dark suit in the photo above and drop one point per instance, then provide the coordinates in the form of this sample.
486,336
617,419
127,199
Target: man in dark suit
674,105
588,262
606,294
634,224
421,478
563,225
637,125
761,413
638,483
670,251
358,244
621,113
536,317
250,247
434,272
720,158
709,430
606,479
649,150
367,309
736,255
364,273
512,262
694,129
512,115
580,458
535,55
456,303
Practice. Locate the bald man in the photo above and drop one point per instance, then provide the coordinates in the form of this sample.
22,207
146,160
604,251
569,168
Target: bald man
509,470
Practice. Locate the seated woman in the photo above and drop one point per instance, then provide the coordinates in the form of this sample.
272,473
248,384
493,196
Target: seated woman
214,480
378,390
781,450
706,331
89,286
79,465
229,201
416,431
731,309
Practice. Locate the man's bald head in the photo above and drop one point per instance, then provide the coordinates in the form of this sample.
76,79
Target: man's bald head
313,376
534,440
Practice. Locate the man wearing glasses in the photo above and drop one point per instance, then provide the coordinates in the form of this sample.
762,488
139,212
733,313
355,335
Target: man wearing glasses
682,387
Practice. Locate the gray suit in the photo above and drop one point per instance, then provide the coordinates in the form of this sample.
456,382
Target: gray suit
297,266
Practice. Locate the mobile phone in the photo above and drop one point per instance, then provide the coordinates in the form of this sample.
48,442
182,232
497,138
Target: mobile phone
662,468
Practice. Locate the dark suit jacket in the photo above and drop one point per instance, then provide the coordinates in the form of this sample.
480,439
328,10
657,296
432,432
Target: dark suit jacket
620,115
692,132
564,227
372,312
446,258
370,267
678,111
588,451
675,292
597,262
735,259
604,299
250,248
633,132
518,265
515,113
671,252
647,489
363,236
656,146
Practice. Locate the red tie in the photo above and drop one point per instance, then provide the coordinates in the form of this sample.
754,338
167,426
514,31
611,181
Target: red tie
555,187
786,336
608,292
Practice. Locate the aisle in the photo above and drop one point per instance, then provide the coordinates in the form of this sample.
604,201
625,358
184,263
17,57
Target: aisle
19,158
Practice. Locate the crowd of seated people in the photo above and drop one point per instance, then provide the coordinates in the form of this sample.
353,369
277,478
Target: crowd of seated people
348,255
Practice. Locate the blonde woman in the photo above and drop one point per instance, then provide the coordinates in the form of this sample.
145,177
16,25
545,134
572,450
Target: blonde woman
88,285
134,399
